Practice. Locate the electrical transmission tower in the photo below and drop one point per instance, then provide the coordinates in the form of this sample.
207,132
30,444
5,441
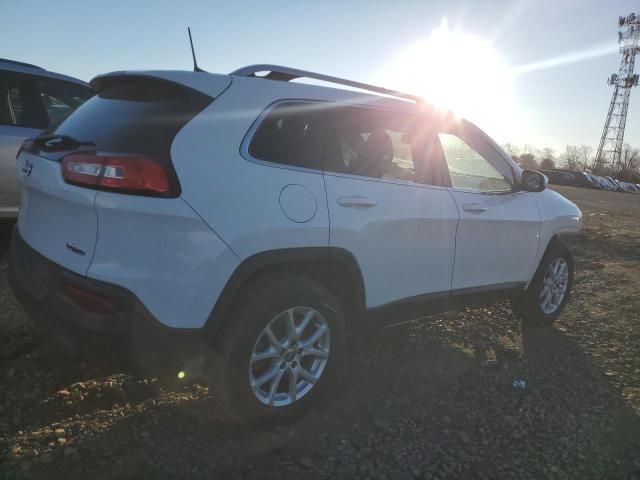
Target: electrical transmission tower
610,146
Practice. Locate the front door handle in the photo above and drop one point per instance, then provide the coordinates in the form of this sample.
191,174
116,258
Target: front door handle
356,201
474,208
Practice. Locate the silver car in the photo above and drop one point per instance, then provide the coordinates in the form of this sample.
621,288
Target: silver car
32,99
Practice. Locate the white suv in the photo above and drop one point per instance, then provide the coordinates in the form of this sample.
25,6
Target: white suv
236,227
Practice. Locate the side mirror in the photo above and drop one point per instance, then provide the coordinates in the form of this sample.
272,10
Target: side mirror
533,181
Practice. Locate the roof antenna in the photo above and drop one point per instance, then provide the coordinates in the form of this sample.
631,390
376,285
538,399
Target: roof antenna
196,68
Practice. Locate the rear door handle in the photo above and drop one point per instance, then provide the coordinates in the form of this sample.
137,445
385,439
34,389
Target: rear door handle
356,201
474,208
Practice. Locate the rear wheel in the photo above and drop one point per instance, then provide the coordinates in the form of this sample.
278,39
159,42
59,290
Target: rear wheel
548,293
282,351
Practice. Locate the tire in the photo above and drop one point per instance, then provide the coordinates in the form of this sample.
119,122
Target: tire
268,301
530,305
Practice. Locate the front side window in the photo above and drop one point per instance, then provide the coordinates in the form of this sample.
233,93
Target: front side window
469,169
60,98
292,133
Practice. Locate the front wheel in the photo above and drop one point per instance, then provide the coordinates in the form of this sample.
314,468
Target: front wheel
547,295
282,350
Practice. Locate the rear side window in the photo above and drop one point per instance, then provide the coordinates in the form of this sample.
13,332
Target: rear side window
292,133
60,98
20,103
134,115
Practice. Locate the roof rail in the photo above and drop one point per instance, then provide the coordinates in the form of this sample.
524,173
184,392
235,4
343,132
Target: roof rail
287,74
21,64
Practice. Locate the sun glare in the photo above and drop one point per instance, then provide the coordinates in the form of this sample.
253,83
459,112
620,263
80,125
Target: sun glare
459,72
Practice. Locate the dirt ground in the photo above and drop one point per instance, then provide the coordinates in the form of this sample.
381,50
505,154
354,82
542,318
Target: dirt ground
426,400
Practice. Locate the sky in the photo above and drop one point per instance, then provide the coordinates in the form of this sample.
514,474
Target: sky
526,71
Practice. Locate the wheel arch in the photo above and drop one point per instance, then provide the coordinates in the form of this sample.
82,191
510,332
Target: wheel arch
335,268
554,239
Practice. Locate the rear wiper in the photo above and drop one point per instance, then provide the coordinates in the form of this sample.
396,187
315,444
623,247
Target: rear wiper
55,142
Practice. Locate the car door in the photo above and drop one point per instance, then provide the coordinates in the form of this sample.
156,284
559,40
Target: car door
21,116
400,229
498,234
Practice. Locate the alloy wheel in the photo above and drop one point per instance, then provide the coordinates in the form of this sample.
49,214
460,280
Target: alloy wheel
289,356
554,285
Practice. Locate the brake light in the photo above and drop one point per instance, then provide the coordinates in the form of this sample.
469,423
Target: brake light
126,173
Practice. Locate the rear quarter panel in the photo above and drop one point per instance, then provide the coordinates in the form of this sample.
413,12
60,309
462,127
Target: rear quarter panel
164,253
237,197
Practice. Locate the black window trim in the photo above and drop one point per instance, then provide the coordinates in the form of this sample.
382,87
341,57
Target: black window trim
246,141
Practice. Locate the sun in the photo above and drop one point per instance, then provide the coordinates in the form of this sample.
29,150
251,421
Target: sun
460,72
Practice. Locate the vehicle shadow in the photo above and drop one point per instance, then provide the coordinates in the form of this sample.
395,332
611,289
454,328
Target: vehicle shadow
433,396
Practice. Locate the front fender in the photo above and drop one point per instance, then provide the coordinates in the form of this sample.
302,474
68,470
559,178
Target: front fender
557,215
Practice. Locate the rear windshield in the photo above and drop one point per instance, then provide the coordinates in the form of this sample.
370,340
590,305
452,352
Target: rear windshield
136,115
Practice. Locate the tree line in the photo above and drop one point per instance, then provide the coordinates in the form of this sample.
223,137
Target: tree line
577,158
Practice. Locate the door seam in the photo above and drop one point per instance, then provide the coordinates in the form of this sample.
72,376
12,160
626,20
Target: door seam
455,240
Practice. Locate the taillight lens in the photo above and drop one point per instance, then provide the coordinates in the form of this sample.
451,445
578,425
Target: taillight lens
126,173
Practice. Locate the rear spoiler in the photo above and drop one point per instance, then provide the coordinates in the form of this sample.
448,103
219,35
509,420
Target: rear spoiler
208,83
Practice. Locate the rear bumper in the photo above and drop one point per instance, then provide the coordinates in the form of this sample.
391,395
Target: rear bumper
121,326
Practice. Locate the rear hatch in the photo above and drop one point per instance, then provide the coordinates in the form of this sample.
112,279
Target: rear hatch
119,141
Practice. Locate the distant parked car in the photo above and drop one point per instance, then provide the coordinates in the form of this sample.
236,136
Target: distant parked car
595,183
599,182
628,187
581,179
616,185
560,178
623,186
608,184
31,100
634,188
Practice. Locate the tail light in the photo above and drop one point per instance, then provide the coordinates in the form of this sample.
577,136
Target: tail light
137,174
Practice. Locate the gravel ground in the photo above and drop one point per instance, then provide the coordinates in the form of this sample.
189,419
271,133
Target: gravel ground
431,399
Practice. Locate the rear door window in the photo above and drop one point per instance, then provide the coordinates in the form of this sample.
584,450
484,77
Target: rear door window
20,104
371,143
384,144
